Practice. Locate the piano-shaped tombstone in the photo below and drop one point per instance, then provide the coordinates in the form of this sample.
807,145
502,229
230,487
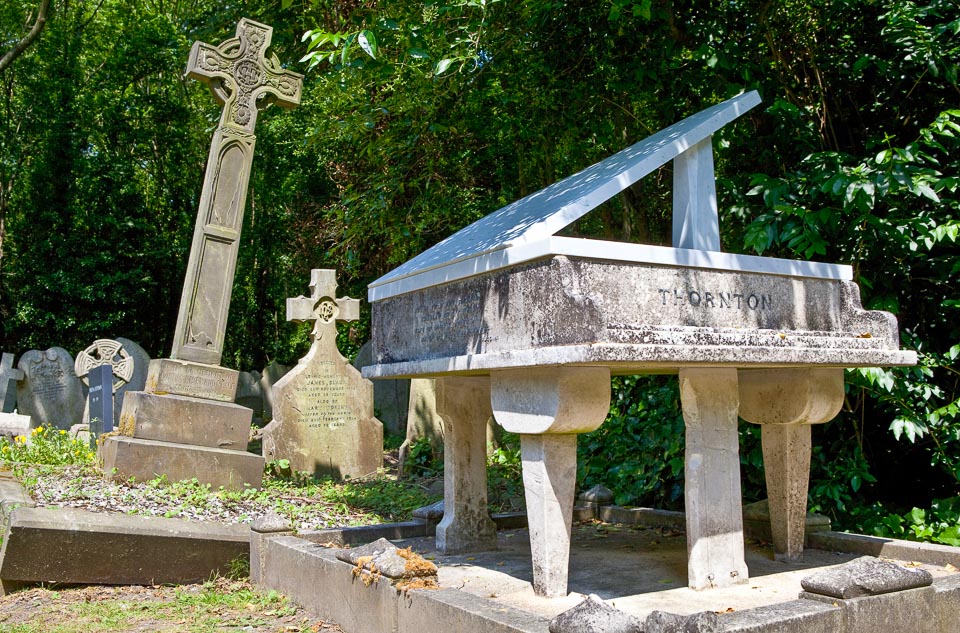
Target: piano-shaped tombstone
514,320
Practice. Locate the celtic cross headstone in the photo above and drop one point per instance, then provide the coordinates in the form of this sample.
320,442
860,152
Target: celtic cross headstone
243,79
323,420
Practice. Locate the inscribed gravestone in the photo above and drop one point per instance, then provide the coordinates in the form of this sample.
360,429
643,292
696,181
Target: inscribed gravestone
390,397
323,409
50,391
8,393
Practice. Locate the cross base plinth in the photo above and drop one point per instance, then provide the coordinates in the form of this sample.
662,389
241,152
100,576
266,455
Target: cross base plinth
184,425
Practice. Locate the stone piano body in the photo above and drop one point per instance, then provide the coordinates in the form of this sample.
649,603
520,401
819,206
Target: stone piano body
520,323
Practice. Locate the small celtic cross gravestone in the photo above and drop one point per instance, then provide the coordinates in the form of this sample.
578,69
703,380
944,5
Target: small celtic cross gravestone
8,395
105,351
322,307
244,80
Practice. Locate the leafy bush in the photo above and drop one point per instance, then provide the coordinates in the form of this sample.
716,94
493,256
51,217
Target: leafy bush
638,452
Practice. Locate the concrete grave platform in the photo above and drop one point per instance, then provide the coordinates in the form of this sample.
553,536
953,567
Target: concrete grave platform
635,569
74,546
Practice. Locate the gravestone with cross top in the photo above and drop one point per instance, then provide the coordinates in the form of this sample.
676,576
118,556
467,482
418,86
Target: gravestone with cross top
8,391
323,420
322,307
244,80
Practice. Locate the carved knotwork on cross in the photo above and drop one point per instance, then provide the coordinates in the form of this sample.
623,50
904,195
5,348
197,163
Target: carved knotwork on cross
322,307
238,73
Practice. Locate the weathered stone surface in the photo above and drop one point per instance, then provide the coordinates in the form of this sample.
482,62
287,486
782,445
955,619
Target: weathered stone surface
369,550
593,615
125,457
185,420
50,392
643,316
391,398
269,526
464,404
662,622
242,64
323,419
182,378
865,576
911,610
76,546
712,479
8,383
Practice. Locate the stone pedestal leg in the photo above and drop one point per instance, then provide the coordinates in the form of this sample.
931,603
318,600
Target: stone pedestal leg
464,405
786,463
715,555
785,402
547,407
549,479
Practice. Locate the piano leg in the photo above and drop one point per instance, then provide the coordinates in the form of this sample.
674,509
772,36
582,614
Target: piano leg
785,402
464,405
549,479
715,553
786,462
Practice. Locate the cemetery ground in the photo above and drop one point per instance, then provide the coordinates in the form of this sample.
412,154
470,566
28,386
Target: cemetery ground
57,470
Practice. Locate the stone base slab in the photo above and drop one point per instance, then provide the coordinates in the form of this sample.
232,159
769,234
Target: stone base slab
633,570
125,457
185,420
77,546
197,380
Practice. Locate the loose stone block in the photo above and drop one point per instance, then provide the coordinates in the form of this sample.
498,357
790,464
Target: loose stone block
865,576
196,380
50,392
464,404
184,420
593,615
126,457
323,419
712,478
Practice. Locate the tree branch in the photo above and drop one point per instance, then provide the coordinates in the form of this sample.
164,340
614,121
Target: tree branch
28,39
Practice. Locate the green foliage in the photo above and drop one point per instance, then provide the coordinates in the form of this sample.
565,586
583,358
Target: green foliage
422,460
505,476
638,452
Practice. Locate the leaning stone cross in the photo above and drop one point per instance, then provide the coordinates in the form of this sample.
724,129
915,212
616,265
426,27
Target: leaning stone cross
8,396
322,307
244,80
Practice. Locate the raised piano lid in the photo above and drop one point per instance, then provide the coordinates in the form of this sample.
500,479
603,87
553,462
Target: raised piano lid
525,230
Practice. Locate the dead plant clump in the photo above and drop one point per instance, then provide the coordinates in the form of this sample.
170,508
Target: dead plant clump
416,564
